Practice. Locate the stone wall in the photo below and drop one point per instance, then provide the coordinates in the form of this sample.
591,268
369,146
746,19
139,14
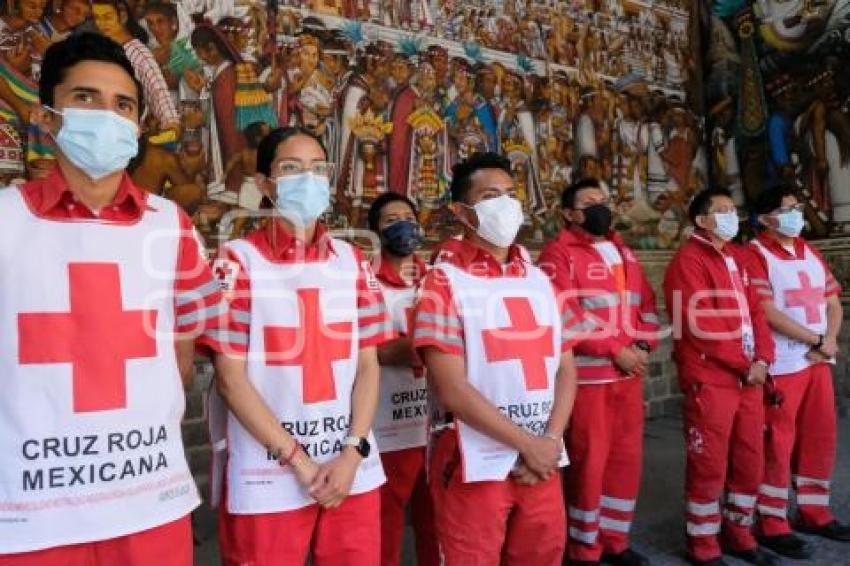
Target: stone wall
660,387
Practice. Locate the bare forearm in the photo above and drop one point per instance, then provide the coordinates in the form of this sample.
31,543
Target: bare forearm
447,374
784,325
185,350
834,317
364,395
566,384
245,402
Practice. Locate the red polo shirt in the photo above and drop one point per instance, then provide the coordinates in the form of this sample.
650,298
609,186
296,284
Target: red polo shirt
442,325
198,302
279,246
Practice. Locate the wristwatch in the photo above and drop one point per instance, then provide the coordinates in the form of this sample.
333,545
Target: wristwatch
819,345
358,443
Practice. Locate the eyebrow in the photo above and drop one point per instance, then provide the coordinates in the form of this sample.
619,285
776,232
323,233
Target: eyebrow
92,90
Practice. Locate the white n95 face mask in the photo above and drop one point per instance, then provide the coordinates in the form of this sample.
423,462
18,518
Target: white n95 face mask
499,220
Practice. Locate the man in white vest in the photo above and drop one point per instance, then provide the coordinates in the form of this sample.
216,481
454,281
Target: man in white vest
496,343
800,297
401,422
299,376
102,288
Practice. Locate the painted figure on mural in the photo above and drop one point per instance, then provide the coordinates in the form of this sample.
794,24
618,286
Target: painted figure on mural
219,58
471,125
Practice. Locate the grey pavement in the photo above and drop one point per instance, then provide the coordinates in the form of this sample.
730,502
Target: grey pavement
659,527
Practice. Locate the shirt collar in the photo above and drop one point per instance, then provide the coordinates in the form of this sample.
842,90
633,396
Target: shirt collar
282,245
769,240
55,191
581,236
478,261
386,272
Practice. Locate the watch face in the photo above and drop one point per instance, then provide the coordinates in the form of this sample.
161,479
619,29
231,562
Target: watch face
364,448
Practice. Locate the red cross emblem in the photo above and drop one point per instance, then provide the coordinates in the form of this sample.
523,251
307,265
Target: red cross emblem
96,337
313,345
809,298
523,340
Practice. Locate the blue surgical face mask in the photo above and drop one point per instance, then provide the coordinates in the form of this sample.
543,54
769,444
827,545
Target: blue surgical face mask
402,238
301,199
790,223
100,142
726,225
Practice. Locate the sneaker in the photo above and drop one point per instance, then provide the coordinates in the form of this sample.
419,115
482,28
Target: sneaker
832,530
789,545
626,558
757,556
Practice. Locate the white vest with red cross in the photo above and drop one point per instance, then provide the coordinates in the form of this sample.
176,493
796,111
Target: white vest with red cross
303,349
92,396
512,339
401,420
799,292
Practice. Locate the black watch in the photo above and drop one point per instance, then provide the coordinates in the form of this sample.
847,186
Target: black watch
643,345
358,443
819,345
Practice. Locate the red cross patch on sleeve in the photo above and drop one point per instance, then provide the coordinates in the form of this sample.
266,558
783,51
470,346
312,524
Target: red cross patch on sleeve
369,274
225,272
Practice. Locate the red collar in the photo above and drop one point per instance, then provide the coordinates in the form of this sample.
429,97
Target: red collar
575,236
769,240
278,244
386,272
52,196
464,254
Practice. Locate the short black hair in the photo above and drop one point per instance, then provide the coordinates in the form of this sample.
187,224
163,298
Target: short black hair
78,48
268,146
702,202
383,200
166,9
568,196
463,171
771,199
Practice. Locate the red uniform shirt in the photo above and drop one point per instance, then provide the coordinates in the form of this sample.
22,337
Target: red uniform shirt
700,316
756,265
279,246
437,322
198,302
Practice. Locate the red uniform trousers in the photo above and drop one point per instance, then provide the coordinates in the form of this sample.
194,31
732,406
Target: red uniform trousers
800,437
406,482
724,437
349,534
167,545
494,522
605,445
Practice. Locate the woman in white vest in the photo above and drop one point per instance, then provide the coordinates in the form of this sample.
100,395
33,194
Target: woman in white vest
497,345
402,418
99,281
300,377
800,297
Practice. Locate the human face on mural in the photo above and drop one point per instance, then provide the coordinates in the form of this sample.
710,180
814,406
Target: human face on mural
308,57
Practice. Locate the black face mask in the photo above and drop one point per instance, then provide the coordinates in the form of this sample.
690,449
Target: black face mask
597,219
402,238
